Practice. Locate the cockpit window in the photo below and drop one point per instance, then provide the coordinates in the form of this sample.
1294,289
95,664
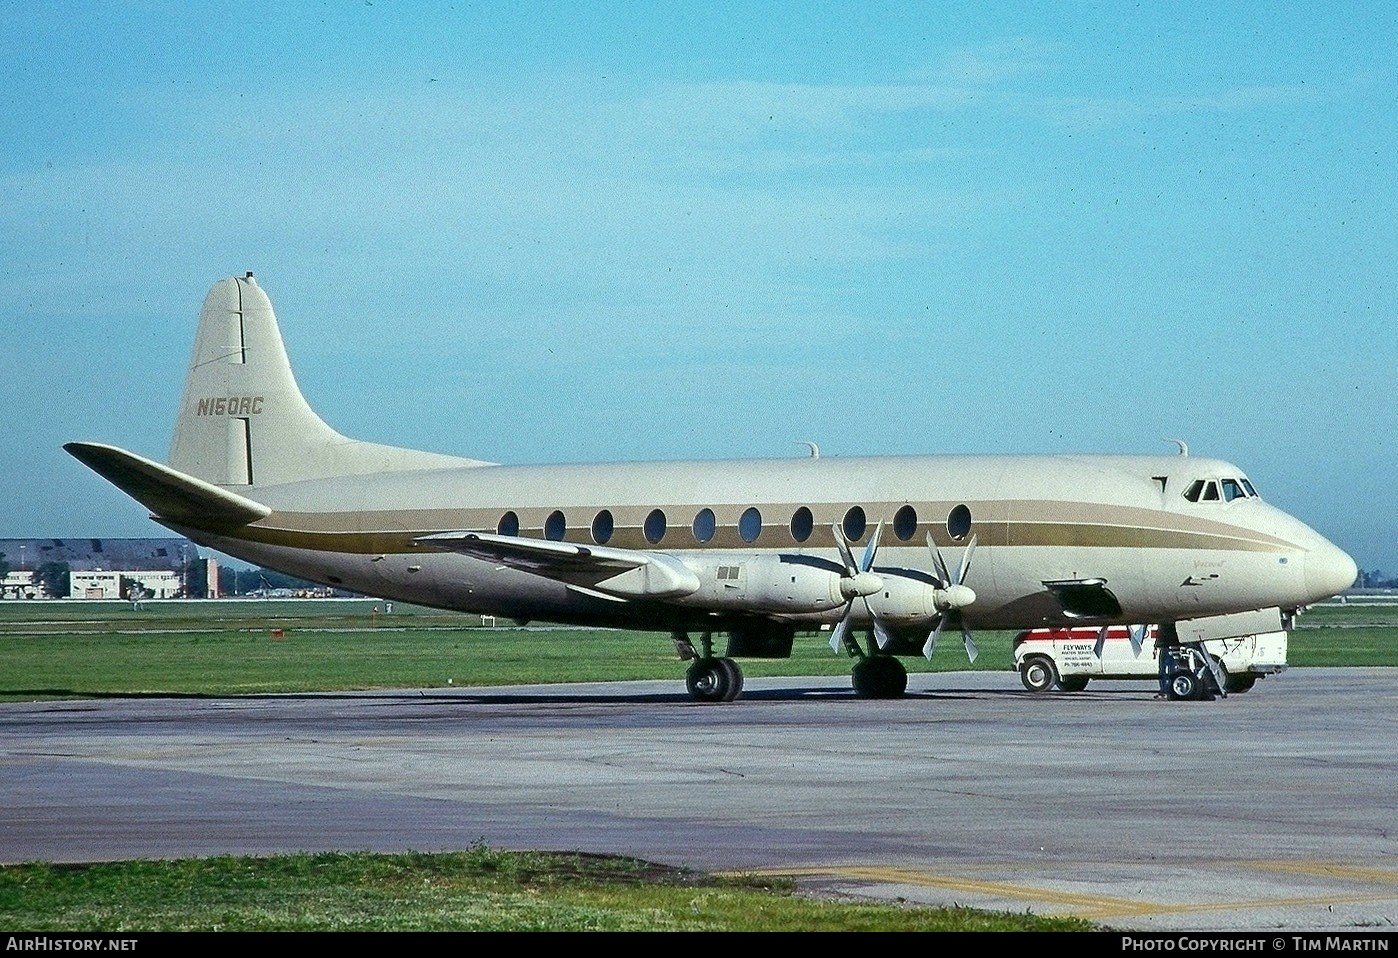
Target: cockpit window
1208,490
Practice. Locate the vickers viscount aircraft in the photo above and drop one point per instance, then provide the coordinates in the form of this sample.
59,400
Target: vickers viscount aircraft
888,553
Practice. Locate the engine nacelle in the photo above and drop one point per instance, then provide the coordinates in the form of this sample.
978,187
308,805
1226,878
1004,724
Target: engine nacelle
811,587
790,584
905,599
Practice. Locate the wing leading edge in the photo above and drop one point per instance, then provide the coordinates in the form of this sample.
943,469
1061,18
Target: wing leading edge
618,573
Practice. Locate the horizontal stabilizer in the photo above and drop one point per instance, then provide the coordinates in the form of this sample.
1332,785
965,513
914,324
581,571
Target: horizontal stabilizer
616,572
167,493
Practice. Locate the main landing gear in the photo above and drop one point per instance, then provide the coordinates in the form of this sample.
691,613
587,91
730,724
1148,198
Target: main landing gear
877,675
710,678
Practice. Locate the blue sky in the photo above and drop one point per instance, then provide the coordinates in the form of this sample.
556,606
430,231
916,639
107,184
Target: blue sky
575,232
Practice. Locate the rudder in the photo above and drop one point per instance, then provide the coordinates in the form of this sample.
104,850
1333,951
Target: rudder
243,420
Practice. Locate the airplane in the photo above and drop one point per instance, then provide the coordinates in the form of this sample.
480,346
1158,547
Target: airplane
887,553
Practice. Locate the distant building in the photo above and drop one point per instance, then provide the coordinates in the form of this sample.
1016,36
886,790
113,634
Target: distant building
124,585
161,568
18,584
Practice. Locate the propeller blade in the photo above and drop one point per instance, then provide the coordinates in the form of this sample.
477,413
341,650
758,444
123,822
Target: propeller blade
881,634
871,549
1137,634
930,646
965,562
846,556
939,566
1101,641
971,650
837,634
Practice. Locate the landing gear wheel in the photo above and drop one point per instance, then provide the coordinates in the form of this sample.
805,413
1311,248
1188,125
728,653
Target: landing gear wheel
1038,674
1182,687
879,677
734,676
714,680
1073,683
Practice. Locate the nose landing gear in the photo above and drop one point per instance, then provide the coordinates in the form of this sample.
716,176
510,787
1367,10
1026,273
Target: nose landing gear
1194,677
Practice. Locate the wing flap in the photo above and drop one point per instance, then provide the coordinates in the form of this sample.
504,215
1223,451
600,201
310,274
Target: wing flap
616,572
168,493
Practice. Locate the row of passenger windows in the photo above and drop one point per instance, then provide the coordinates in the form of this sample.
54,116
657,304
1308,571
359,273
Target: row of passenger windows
750,525
1210,490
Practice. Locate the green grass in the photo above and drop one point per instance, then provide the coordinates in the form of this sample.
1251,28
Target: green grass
1345,635
53,650
75,650
476,890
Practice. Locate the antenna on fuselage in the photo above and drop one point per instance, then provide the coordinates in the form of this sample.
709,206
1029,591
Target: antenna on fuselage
1184,446
815,450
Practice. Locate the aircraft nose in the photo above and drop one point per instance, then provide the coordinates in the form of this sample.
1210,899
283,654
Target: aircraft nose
1329,571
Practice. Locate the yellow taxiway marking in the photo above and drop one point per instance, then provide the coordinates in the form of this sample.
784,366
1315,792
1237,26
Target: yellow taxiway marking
1328,870
1101,907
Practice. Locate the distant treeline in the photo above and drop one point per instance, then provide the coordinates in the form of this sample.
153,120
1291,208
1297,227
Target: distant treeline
1378,579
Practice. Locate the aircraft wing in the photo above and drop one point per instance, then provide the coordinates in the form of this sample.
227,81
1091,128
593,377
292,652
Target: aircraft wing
616,573
168,493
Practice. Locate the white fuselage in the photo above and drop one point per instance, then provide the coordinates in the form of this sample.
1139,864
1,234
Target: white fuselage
1122,521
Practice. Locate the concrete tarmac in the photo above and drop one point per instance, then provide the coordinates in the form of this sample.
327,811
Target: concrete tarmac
1276,810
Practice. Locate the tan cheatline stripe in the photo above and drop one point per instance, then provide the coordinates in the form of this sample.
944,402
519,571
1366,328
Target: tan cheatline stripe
1030,520
1007,523
1012,534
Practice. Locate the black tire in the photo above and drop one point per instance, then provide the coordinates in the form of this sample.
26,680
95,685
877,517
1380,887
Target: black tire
1182,687
895,677
734,675
708,681
864,680
879,677
1038,674
1072,683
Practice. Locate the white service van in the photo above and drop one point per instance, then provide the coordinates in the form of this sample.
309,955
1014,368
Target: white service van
1066,659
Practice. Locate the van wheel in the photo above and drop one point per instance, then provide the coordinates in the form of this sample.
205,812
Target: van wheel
1183,686
1238,684
1038,674
1073,683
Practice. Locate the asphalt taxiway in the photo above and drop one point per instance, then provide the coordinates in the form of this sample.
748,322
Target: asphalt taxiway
1276,810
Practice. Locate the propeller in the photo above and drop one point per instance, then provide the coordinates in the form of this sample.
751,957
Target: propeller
1101,641
1136,633
858,583
950,597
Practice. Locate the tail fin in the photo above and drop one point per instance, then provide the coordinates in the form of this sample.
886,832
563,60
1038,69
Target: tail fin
243,420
